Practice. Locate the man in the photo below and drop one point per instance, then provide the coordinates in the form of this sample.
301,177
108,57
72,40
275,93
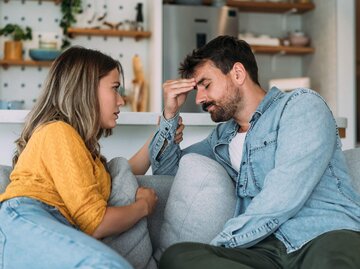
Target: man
296,207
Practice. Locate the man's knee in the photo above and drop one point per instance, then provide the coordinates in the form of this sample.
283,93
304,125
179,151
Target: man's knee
337,249
170,259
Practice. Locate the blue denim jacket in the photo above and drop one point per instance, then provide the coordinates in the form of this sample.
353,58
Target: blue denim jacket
293,179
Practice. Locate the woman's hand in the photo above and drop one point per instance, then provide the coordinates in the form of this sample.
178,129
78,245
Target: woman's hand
179,132
149,196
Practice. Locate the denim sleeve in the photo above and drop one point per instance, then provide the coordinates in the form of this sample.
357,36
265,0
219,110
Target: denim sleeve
165,154
307,139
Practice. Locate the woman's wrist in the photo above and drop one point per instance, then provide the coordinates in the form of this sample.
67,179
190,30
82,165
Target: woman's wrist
143,207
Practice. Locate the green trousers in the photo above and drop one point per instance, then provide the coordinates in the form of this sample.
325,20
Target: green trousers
332,250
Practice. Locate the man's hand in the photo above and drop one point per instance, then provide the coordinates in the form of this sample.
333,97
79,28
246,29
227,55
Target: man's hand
175,92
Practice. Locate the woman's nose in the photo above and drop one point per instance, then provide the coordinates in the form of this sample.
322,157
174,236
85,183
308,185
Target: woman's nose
120,100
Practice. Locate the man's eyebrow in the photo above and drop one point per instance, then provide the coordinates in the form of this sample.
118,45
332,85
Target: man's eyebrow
201,81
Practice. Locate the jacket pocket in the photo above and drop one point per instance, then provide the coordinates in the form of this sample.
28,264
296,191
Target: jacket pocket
262,157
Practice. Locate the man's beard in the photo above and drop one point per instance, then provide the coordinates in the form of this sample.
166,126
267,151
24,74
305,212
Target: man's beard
220,112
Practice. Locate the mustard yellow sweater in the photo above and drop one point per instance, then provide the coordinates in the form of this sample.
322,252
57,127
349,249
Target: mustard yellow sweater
56,168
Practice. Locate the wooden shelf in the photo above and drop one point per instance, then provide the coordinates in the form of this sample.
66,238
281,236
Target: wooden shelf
7,63
282,50
104,32
270,7
56,1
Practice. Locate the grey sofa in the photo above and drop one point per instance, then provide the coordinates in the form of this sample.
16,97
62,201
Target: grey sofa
176,218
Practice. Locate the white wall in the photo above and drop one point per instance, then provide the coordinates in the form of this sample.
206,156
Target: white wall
346,57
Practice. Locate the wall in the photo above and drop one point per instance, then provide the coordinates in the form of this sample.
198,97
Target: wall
275,25
44,17
331,68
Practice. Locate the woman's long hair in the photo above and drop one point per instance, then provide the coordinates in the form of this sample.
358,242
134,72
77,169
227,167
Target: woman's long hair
70,95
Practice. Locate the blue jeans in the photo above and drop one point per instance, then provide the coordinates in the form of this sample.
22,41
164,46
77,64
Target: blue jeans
35,235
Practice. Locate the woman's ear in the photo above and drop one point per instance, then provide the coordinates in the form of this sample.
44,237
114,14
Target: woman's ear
239,72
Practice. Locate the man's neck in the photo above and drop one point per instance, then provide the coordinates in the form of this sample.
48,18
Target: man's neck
252,97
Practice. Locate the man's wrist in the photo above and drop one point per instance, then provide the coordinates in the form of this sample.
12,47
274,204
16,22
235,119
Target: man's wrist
169,115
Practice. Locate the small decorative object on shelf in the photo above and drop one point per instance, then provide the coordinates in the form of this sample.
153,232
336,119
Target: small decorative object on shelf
299,39
13,48
139,18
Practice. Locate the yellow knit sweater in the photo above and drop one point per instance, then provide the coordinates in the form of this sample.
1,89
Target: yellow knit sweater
56,168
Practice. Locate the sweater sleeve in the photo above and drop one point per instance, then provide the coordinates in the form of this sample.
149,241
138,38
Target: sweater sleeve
74,173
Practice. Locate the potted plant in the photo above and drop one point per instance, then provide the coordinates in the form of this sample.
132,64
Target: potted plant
13,48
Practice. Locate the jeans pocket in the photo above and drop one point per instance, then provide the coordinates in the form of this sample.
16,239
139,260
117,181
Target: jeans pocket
2,248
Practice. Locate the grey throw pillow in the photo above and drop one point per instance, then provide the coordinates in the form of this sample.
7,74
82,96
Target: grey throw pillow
4,177
202,198
135,244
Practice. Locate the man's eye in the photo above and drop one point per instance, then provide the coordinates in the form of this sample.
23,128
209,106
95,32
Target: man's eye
207,86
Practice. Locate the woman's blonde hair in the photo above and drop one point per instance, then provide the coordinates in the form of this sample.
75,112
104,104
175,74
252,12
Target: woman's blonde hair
70,95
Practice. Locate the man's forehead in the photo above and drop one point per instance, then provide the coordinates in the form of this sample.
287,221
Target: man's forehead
204,70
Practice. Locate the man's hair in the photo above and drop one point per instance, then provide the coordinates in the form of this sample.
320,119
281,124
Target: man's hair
70,94
224,52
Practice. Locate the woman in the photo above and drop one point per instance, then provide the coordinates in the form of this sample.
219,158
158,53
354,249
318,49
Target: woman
60,185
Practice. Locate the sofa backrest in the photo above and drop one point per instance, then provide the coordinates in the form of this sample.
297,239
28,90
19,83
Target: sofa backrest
352,158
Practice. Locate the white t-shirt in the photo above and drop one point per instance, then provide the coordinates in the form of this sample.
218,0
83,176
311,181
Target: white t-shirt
236,149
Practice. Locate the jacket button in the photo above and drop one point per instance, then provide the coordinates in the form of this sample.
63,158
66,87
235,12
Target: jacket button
265,143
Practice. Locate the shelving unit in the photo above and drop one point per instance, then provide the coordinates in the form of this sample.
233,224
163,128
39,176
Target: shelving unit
111,32
56,1
282,50
279,8
7,63
270,7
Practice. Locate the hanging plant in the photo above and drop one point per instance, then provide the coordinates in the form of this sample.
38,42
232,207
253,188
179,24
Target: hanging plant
69,9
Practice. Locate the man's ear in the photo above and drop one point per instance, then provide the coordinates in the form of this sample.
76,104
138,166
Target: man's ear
238,72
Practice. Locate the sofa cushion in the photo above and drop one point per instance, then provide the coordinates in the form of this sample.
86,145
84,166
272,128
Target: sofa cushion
135,244
193,211
161,184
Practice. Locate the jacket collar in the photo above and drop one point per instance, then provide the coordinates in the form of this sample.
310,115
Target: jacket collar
271,96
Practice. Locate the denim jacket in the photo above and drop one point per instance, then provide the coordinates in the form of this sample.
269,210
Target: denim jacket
293,180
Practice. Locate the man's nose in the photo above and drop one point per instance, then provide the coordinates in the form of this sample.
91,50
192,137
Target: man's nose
200,96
